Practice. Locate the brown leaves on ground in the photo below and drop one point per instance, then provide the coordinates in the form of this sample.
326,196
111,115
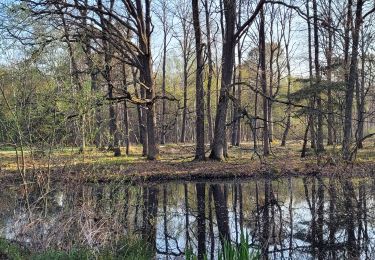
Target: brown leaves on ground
177,164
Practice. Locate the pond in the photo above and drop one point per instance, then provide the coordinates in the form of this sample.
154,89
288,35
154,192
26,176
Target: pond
290,218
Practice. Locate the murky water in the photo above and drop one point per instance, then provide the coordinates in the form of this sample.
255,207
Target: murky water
296,218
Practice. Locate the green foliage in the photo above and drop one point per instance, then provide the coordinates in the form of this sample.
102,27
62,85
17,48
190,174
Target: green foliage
231,251
241,251
308,90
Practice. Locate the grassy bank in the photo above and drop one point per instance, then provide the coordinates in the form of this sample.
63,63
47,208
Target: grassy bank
177,163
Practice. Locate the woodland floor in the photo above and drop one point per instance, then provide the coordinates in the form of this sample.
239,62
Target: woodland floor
177,163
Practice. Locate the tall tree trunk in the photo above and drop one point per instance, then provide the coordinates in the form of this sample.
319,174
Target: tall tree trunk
271,75
360,96
126,113
185,44
218,145
347,31
254,122
239,94
319,136
164,101
147,77
236,135
185,108
107,74
311,117
287,57
353,74
141,114
263,82
199,95
330,118
210,71
234,115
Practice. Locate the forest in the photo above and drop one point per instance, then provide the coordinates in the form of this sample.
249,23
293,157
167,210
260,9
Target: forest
252,119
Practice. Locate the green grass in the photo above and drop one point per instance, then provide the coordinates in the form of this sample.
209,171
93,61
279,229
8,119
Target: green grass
241,251
132,249
9,250
231,251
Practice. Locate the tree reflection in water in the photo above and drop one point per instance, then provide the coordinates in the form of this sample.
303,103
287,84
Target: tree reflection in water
290,218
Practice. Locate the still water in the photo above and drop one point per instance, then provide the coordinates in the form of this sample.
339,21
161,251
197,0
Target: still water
291,218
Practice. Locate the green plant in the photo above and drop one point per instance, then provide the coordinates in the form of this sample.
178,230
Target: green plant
241,251
231,251
74,254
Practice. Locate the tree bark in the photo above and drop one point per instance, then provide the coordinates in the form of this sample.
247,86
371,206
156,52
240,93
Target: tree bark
353,74
210,72
146,76
164,101
107,74
311,117
319,136
360,96
263,83
126,113
330,118
199,95
218,145
287,57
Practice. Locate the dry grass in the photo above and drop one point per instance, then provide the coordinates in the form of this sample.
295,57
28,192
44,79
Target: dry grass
177,163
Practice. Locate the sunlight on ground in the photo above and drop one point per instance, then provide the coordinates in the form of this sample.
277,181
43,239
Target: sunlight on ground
169,153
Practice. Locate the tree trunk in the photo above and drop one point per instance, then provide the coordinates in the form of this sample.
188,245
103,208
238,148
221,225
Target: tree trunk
141,115
319,136
185,109
311,118
126,114
353,74
210,71
263,82
239,94
360,95
218,145
330,118
287,57
107,74
147,78
164,101
186,50
234,108
199,95
271,74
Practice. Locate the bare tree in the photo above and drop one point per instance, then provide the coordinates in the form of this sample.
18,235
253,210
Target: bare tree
230,37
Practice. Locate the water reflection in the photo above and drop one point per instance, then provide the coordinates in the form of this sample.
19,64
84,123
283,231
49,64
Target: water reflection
291,218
